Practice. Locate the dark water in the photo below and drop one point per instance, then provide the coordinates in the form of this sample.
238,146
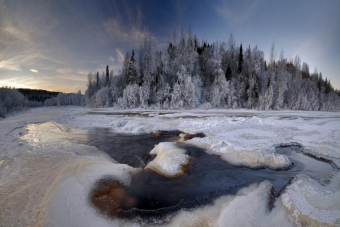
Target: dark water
206,177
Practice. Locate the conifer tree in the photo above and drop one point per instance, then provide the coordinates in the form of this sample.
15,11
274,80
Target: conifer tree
97,80
107,76
228,73
240,60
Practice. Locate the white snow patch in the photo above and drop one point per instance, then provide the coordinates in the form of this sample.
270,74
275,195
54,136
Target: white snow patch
249,207
70,202
312,204
257,159
169,159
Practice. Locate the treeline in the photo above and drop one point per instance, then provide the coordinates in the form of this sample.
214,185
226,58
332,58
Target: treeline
62,99
189,73
37,94
13,100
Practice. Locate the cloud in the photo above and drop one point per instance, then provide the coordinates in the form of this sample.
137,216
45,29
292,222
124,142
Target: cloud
18,50
10,65
83,72
4,83
121,31
232,15
72,77
130,34
64,70
120,55
111,59
34,70
15,32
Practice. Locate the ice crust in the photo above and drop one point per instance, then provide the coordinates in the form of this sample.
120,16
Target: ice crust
249,207
44,179
257,159
70,203
169,159
313,204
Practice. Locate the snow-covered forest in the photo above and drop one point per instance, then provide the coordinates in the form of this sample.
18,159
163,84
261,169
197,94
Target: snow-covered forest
189,73
13,100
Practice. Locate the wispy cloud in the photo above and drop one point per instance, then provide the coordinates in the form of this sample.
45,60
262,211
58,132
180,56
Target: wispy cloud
73,77
128,30
34,70
10,65
4,83
83,72
119,33
65,70
237,15
111,59
120,56
20,34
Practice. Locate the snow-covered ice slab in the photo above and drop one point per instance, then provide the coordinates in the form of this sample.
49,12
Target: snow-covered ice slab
169,160
309,202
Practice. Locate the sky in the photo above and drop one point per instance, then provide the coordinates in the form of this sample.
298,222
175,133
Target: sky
53,45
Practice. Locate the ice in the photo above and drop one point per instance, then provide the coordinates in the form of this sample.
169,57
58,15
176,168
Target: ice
257,159
44,178
311,203
70,203
169,160
249,207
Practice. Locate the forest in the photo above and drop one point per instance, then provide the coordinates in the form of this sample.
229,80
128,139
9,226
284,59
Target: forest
187,73
17,99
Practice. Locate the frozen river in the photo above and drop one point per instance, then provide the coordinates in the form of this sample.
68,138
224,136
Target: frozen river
79,167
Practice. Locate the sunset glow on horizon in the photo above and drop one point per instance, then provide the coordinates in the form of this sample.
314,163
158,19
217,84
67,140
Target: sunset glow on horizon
59,42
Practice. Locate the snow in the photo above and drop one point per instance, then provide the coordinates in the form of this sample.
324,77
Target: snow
45,179
310,202
70,204
249,207
169,159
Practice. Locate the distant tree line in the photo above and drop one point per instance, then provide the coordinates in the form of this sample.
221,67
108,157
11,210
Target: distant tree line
188,73
37,95
13,100
62,99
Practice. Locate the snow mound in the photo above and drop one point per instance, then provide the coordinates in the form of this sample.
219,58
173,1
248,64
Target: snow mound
257,159
119,123
249,207
312,204
169,159
252,157
135,127
70,206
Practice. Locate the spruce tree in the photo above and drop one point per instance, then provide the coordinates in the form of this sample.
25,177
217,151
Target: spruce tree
107,76
240,60
228,73
97,80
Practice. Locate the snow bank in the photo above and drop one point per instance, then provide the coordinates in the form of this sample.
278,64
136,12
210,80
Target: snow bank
312,204
251,141
169,160
128,126
249,207
70,205
257,159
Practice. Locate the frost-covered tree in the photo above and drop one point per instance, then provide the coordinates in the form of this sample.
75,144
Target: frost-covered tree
185,90
220,89
187,72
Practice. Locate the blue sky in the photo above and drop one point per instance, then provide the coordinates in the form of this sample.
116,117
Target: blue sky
52,45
